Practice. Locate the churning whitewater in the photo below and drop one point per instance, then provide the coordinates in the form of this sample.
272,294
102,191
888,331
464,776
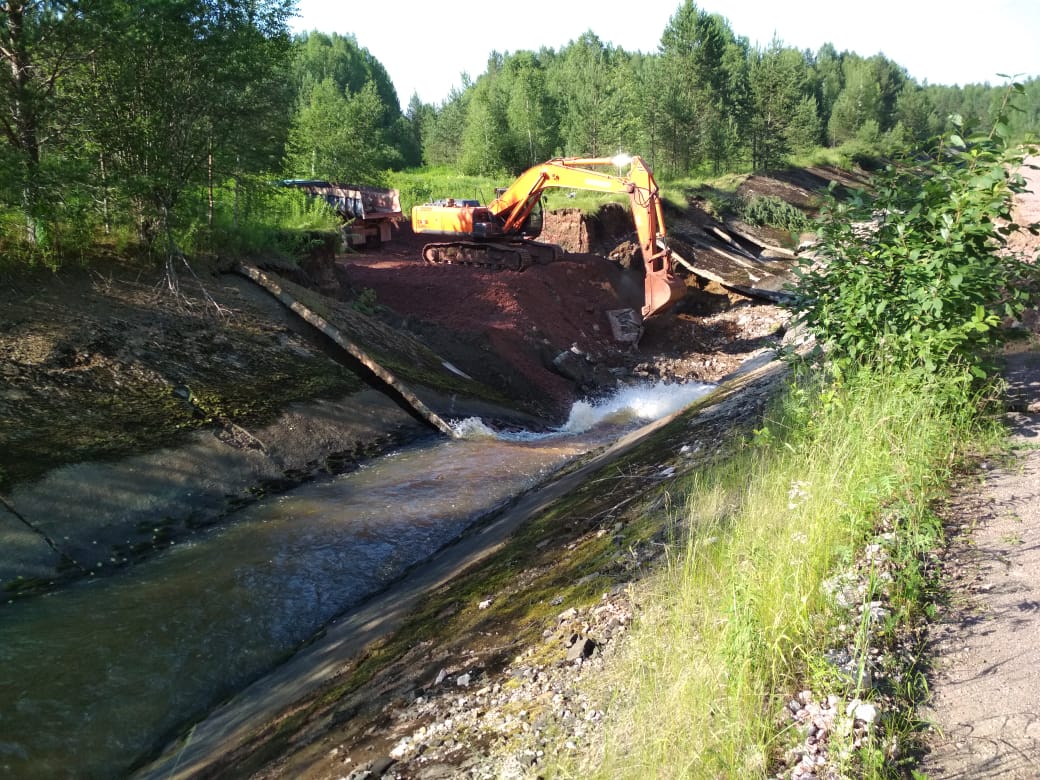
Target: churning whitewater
632,404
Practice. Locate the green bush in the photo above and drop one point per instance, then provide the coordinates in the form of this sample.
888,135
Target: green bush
365,301
916,273
774,212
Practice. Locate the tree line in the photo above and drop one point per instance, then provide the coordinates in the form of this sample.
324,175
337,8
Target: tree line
114,112
706,102
162,119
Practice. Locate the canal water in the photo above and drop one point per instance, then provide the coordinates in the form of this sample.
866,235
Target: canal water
103,672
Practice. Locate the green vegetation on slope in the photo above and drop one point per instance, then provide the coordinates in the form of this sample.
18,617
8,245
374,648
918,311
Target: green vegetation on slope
908,305
743,612
915,273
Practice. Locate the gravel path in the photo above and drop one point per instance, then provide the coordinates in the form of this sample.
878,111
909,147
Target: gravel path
986,691
985,706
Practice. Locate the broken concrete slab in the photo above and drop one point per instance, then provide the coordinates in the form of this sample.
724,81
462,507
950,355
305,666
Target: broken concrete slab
757,277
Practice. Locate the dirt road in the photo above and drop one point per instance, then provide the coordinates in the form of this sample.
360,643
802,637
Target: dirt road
986,704
986,646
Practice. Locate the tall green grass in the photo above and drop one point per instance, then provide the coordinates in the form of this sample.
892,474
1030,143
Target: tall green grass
424,185
740,616
821,156
248,218
245,218
429,184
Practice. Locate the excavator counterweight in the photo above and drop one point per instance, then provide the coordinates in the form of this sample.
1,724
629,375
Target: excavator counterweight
502,234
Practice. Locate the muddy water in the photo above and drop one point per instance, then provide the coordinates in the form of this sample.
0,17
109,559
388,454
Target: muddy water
95,676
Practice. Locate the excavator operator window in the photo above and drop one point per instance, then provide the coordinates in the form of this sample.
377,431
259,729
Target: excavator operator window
532,227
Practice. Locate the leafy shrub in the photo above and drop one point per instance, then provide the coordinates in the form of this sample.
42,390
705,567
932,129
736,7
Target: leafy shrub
774,212
365,302
917,273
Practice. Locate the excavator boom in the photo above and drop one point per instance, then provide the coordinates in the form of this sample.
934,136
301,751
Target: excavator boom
502,231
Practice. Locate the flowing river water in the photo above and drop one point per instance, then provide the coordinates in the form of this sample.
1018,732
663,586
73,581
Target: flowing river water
96,675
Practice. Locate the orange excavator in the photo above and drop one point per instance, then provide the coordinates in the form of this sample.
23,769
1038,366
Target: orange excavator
501,234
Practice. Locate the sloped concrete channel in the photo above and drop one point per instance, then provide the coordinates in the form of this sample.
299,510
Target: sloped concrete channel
100,672
86,689
218,572
736,402
82,518
87,518
96,673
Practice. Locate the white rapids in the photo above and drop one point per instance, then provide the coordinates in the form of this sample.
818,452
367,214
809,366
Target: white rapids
633,404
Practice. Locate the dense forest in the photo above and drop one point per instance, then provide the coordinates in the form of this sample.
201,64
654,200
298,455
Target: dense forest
158,121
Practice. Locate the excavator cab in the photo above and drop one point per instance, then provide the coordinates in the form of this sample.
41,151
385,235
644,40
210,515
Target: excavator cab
531,227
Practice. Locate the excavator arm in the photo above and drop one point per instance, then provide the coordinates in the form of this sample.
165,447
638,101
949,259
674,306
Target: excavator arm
512,208
515,204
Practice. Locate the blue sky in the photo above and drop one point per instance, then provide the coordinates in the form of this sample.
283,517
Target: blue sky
426,46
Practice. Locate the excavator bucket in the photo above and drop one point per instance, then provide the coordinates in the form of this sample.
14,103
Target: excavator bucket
661,289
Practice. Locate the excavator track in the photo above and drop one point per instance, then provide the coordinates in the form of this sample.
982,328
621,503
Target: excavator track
511,256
